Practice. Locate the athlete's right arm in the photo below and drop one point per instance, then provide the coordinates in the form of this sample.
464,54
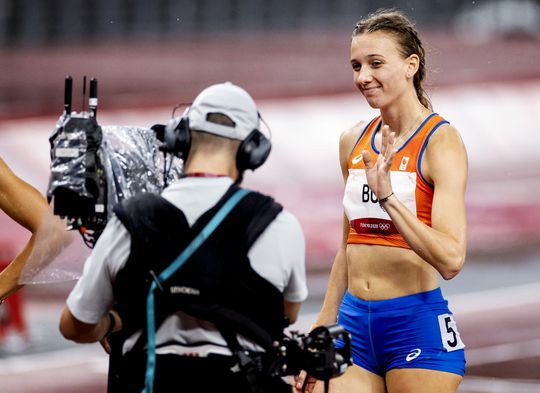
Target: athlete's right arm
338,280
337,283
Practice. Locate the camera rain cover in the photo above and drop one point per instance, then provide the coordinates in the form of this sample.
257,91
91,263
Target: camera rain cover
130,162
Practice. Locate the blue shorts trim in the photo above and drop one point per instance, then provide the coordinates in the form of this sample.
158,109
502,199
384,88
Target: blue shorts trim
413,331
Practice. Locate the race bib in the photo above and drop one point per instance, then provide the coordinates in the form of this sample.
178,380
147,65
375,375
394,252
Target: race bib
362,206
450,337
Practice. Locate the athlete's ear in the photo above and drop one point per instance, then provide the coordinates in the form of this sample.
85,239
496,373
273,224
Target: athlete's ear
413,63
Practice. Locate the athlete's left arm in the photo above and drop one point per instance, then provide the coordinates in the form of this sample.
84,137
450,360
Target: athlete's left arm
443,245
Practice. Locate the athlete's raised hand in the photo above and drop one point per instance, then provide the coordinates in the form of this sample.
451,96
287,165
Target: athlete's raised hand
378,174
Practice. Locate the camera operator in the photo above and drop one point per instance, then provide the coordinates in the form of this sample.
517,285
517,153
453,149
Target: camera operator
241,283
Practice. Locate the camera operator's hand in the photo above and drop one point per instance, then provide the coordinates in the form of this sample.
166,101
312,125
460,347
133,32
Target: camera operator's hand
105,345
308,380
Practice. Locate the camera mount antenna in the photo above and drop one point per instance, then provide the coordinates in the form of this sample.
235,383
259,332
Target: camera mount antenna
68,90
84,94
93,100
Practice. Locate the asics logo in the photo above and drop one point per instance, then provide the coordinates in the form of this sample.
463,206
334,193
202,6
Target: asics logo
357,159
414,354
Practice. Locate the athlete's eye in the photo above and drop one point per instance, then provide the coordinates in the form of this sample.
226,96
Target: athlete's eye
376,63
356,66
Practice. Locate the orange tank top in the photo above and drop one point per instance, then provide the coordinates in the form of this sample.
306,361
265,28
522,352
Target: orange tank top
369,223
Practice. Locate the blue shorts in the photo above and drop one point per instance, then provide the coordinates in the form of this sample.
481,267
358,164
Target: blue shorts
414,331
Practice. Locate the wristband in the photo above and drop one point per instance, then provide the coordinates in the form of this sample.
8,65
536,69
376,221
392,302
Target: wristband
384,200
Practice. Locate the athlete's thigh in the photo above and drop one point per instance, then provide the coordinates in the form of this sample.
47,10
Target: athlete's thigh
416,380
357,380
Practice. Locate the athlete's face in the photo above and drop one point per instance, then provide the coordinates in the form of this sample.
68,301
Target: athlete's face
380,71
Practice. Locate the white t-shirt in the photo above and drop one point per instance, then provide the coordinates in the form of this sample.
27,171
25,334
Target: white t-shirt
278,255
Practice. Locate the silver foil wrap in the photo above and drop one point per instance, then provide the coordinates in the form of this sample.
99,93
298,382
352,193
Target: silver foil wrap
133,164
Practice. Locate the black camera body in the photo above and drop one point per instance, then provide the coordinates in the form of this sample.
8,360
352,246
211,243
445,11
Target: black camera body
78,183
87,208
90,207
316,353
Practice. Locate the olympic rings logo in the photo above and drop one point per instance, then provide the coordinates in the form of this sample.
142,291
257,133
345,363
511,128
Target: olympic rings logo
384,226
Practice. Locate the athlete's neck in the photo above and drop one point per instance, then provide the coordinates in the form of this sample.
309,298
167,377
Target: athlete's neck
401,116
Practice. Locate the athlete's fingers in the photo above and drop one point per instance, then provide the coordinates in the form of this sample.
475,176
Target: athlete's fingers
390,157
384,143
366,157
299,380
391,138
390,147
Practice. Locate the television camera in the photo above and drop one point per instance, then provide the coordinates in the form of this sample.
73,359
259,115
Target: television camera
324,353
93,167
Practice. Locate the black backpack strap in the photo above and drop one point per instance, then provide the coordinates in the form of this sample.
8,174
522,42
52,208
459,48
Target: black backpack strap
265,215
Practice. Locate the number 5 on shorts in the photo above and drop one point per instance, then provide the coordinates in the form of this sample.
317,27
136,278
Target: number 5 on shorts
449,333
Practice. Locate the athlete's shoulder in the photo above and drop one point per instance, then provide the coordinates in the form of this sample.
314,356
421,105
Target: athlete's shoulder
348,139
444,136
445,151
352,133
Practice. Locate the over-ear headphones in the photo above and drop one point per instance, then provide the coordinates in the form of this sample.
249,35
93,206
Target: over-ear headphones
177,137
251,154
253,151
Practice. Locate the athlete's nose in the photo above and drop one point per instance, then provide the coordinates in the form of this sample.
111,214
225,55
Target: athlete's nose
364,76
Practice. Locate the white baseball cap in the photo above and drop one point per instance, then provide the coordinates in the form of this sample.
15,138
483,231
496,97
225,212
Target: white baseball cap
229,100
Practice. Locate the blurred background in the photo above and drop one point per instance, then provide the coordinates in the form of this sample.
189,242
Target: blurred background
483,61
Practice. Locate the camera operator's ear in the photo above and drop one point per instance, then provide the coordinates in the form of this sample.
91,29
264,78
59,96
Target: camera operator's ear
177,137
159,129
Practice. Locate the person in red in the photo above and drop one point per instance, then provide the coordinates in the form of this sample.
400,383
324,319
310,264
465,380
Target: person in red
404,225
12,318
